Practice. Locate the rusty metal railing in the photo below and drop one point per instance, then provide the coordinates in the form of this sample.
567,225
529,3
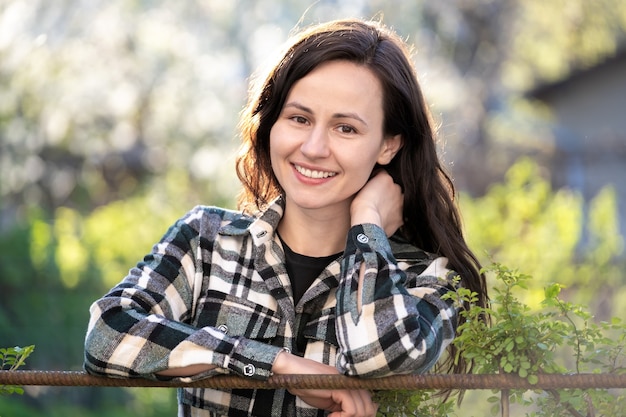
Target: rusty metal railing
397,382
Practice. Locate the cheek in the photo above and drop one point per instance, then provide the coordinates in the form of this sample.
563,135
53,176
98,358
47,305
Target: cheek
362,168
277,138
274,143
278,152
370,164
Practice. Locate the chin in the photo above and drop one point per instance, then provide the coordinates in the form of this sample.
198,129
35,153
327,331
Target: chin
318,202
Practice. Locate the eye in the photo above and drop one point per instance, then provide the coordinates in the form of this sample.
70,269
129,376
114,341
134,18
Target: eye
346,129
299,119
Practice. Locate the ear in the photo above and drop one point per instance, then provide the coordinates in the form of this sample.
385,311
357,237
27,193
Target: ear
391,146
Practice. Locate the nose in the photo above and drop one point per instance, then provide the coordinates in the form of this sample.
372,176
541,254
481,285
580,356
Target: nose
316,144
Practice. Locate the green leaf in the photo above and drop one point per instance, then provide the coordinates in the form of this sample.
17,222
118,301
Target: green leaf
552,291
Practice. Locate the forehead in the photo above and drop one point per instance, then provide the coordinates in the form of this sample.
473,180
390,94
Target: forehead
340,83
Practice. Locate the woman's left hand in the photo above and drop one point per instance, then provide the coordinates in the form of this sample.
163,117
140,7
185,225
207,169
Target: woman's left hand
340,402
379,202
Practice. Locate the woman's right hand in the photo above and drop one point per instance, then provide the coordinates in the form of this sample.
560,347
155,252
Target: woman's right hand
380,202
341,403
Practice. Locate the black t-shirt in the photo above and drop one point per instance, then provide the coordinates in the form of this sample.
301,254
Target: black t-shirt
304,269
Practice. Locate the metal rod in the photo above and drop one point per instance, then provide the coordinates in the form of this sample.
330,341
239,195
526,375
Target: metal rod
411,382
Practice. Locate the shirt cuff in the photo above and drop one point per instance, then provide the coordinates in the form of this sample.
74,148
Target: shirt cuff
253,359
367,237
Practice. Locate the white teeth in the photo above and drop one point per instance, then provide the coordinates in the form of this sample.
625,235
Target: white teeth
314,174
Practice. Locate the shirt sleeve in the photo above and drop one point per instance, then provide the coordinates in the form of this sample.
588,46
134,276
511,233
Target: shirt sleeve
401,324
141,326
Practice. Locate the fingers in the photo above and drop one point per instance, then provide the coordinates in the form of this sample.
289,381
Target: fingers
379,202
369,408
354,403
342,403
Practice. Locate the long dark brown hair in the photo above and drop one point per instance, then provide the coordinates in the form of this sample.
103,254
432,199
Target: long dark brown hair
431,218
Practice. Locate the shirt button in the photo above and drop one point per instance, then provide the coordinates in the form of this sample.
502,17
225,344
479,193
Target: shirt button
223,328
362,238
249,370
261,233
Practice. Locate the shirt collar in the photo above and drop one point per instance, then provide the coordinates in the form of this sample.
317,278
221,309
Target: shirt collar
260,227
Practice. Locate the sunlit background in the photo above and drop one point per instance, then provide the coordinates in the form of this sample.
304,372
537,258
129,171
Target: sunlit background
118,116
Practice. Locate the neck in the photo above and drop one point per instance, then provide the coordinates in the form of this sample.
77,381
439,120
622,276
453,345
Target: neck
313,233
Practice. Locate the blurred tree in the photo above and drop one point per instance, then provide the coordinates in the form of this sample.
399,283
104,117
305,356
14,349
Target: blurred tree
524,224
91,112
481,56
53,269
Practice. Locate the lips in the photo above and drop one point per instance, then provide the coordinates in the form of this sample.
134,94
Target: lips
315,174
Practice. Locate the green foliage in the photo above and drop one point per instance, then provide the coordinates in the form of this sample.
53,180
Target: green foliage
10,360
561,337
519,340
71,259
551,235
405,403
159,402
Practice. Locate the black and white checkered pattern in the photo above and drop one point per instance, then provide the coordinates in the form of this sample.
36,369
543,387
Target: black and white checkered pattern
215,291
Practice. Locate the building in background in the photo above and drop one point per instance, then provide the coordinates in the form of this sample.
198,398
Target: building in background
589,110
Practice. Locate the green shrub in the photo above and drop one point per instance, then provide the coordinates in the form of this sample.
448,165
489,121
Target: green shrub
10,360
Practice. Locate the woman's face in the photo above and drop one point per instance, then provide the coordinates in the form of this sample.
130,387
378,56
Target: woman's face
328,137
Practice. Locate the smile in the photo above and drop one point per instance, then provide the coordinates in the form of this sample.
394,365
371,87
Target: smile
314,174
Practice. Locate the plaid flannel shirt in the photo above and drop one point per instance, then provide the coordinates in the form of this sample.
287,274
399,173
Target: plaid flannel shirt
215,291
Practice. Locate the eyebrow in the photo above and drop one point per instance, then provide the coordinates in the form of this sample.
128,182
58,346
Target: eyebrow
335,115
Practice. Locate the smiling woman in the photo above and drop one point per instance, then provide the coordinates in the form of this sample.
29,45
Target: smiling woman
324,147
347,239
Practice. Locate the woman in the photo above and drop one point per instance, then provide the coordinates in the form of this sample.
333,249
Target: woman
337,263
